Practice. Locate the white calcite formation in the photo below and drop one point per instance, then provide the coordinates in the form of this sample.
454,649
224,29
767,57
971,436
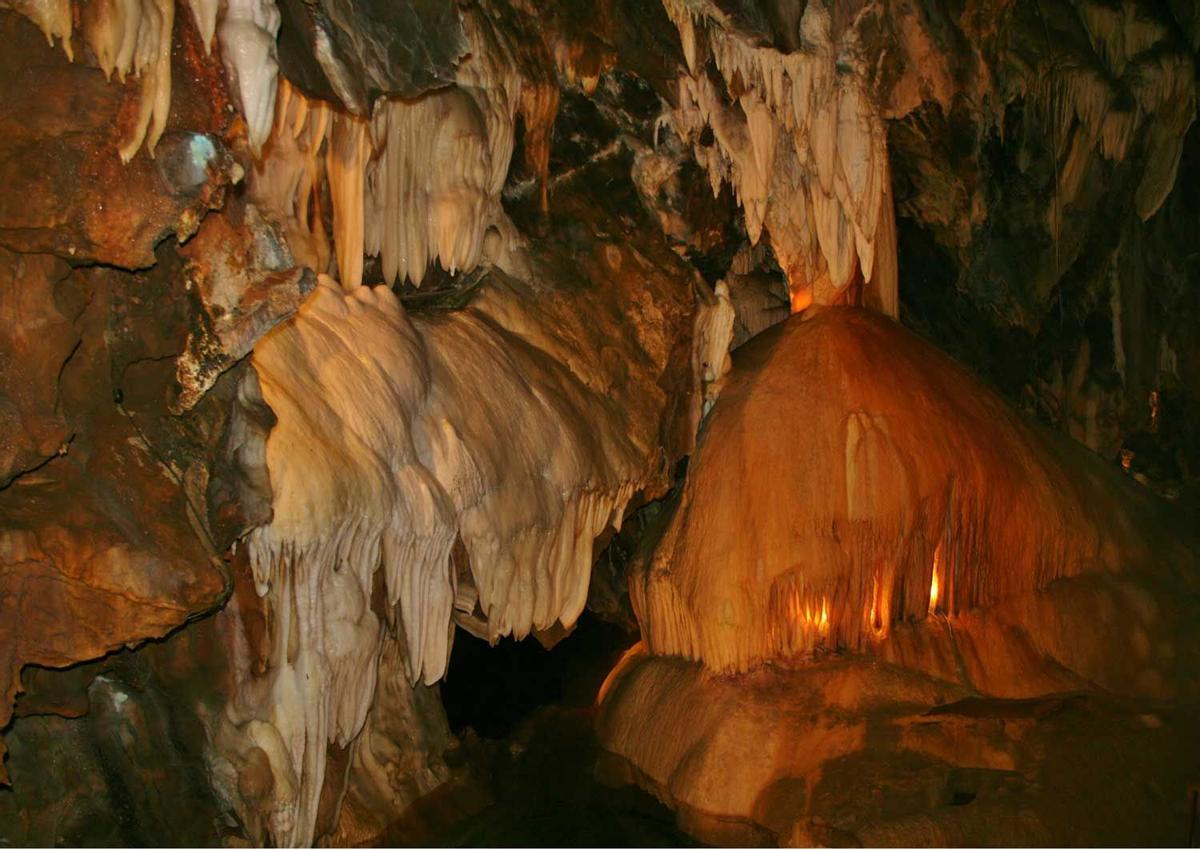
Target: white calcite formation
433,184
133,38
1135,78
799,138
428,188
247,33
419,181
518,427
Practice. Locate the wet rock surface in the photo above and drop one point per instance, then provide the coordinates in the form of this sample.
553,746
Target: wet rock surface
1044,163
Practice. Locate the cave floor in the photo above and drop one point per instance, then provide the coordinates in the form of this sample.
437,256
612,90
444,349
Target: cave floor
538,788
526,768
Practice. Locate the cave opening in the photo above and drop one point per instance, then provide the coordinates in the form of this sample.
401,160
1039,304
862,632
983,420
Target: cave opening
525,716
493,689
832,368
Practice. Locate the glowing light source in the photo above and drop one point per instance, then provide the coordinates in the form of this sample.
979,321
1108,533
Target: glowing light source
808,615
933,582
877,618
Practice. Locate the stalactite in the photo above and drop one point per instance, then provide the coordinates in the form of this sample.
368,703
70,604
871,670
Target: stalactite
247,31
714,334
801,142
205,12
396,437
53,18
420,181
1086,99
287,180
134,37
427,188
433,187
345,163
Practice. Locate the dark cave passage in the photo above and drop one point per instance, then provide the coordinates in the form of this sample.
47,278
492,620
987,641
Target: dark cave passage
493,689
525,716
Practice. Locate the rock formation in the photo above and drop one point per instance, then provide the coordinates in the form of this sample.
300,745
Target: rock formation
334,328
902,545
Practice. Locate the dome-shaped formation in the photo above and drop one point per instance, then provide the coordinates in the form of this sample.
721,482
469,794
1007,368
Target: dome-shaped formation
853,478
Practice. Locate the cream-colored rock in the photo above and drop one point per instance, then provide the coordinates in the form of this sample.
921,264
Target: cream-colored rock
801,141
247,33
519,426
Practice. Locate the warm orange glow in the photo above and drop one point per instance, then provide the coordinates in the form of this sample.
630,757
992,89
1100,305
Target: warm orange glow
809,616
801,297
632,654
933,582
877,615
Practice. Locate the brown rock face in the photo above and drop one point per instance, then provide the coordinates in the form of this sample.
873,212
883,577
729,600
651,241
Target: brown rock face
66,190
40,340
105,508
103,543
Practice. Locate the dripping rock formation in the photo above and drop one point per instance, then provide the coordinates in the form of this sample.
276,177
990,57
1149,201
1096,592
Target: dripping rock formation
877,589
347,342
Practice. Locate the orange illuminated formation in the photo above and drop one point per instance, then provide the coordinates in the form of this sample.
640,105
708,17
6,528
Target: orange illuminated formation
933,582
893,486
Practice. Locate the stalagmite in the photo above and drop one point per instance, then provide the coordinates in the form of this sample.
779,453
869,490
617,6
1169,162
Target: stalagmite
907,488
878,590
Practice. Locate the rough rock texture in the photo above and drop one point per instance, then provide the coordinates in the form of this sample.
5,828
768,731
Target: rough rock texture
60,129
115,512
592,197
1040,188
855,753
353,52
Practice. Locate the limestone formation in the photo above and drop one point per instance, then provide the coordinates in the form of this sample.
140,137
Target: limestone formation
340,336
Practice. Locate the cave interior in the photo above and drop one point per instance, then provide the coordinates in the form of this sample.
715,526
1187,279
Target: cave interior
599,423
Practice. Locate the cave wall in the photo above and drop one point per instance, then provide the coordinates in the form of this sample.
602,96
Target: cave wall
620,188
1043,201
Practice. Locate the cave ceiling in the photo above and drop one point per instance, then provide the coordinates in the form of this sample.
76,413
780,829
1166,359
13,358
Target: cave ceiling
335,328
